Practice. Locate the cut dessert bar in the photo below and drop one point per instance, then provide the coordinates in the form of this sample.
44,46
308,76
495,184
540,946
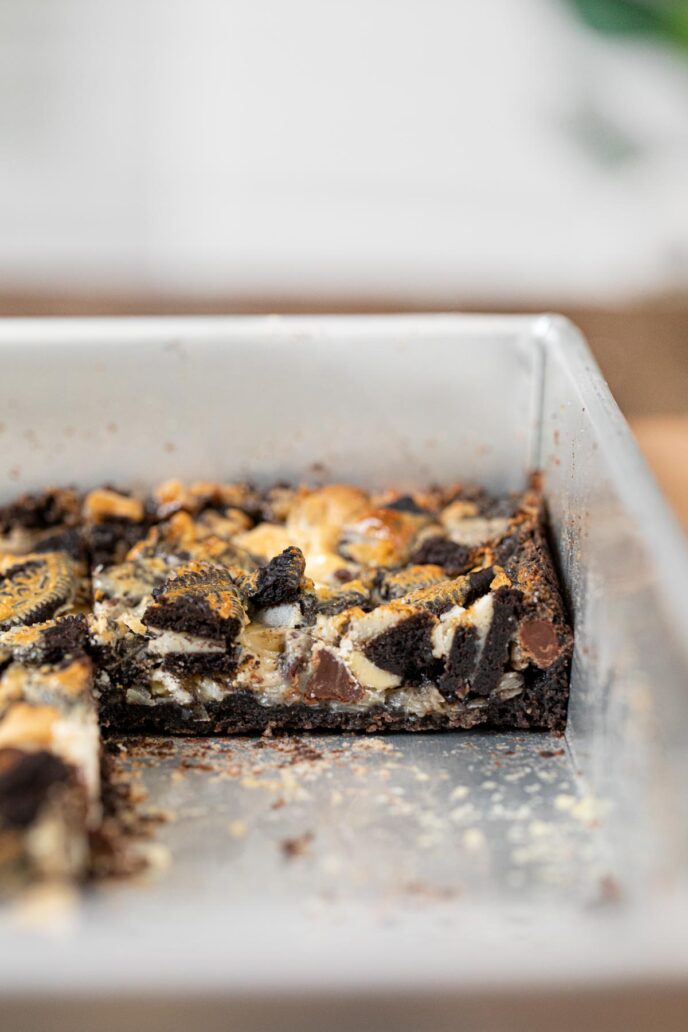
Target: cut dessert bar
49,737
220,608
332,608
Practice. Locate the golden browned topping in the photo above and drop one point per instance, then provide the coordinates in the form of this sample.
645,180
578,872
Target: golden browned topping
265,540
397,583
171,496
174,495
327,507
379,537
102,505
500,579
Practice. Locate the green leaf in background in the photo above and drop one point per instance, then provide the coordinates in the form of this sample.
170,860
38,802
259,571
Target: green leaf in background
661,19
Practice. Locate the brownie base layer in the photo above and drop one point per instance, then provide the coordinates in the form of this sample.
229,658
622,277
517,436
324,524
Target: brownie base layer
541,706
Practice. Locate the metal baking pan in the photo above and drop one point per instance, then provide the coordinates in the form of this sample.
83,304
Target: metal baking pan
491,881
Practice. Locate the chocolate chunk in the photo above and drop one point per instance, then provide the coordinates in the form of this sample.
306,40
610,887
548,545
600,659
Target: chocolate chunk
26,779
330,680
539,641
280,580
441,551
405,649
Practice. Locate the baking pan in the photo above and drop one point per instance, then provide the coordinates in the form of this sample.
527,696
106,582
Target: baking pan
480,880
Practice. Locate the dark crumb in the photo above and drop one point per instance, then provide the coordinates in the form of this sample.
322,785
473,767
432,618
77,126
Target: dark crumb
294,749
295,847
547,754
302,753
278,804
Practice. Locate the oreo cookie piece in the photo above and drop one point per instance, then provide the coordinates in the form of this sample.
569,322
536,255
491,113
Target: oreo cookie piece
461,662
201,600
108,543
280,580
53,508
391,584
495,652
34,586
331,602
439,550
404,649
70,541
51,642
115,522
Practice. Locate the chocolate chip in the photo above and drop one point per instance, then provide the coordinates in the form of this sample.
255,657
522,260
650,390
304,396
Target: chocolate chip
539,641
330,680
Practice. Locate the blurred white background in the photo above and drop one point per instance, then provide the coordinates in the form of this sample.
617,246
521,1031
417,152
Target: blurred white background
430,149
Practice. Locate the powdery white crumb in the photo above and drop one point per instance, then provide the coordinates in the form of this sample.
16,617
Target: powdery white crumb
237,829
473,840
564,802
